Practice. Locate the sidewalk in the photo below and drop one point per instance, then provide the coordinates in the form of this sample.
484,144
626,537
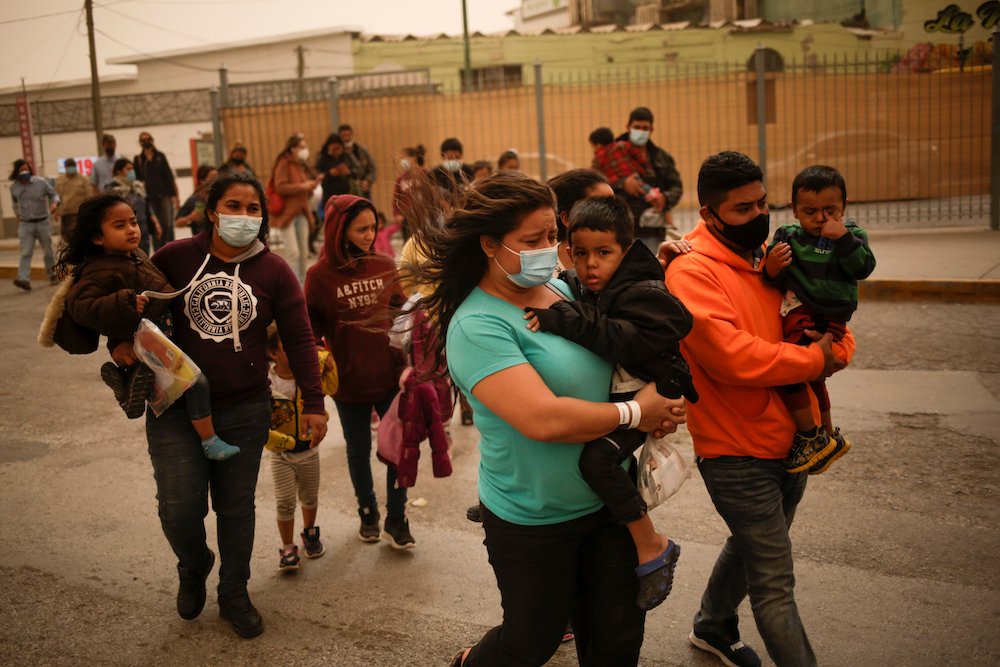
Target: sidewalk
955,264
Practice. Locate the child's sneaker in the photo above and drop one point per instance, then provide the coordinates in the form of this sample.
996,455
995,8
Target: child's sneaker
842,446
288,559
398,532
369,530
807,450
656,577
217,449
311,543
130,385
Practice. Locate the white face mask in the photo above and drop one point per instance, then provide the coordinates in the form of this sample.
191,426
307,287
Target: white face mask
239,230
404,164
452,165
638,137
303,154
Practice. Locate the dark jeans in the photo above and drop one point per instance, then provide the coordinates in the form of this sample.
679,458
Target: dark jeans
757,500
163,209
184,478
355,419
583,570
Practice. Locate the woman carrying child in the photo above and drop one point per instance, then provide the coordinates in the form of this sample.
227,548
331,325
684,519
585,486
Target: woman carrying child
234,288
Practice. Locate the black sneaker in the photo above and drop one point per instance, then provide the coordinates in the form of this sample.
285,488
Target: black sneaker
310,541
475,513
369,531
191,591
398,532
23,284
288,560
732,654
241,614
137,390
114,377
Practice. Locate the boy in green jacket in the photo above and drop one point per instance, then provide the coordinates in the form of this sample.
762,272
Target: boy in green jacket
818,264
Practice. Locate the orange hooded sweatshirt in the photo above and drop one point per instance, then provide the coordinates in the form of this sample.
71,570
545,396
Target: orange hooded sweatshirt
736,352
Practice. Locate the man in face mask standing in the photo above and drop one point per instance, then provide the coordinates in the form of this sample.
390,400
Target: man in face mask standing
740,428
365,172
72,188
104,166
663,175
153,169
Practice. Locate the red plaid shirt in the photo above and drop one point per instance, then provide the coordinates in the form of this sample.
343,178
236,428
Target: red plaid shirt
620,159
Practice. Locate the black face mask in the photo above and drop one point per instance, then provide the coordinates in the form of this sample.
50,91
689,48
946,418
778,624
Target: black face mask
237,160
146,144
750,235
109,151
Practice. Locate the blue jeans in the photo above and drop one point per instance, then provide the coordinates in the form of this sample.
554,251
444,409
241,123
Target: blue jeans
355,419
757,500
184,478
584,570
27,233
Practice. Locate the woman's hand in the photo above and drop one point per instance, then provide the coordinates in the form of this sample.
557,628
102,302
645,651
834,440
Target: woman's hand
315,425
660,415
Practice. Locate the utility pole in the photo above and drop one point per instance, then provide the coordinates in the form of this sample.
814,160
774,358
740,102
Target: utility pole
95,84
467,71
300,71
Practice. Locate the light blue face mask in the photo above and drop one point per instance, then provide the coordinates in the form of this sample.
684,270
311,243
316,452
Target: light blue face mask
537,266
239,230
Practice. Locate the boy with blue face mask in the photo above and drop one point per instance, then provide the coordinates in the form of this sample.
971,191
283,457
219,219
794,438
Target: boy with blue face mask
625,314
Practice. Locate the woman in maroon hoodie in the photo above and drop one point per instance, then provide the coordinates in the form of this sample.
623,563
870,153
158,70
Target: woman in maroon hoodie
347,289
233,289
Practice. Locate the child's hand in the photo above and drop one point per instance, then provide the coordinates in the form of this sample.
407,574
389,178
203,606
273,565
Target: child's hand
834,226
670,249
532,321
140,303
778,258
315,427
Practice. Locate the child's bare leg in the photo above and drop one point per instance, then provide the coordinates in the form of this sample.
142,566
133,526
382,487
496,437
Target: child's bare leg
827,421
803,419
308,517
286,530
648,543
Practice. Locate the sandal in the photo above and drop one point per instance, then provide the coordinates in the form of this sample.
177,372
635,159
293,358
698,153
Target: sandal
656,577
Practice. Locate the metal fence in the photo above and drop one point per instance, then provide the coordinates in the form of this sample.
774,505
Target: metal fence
912,146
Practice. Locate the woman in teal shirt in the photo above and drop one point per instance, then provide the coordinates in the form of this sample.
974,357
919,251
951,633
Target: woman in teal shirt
556,552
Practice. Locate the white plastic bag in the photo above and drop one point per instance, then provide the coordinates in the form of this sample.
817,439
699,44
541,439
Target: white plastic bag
175,371
662,471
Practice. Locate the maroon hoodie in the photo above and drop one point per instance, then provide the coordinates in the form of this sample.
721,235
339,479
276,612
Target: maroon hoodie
345,288
266,290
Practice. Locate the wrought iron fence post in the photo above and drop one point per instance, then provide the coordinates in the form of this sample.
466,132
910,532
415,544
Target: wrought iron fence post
334,93
540,114
213,98
995,139
224,87
761,109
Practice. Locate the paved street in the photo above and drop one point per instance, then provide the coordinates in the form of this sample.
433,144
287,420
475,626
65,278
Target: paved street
894,546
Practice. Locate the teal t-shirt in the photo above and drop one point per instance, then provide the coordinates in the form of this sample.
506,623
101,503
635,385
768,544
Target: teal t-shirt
524,481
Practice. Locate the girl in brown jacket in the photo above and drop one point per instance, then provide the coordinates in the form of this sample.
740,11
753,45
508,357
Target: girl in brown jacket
293,180
105,291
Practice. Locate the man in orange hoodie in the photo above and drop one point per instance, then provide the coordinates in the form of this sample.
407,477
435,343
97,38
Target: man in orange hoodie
740,427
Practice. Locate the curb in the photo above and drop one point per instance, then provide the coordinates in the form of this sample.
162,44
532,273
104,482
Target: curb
937,290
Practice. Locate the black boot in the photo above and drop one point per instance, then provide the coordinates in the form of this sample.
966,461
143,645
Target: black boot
241,614
191,592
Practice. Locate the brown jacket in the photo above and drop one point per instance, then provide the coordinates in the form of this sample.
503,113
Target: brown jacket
291,180
103,296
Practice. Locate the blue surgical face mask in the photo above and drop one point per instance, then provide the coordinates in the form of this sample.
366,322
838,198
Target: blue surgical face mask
239,230
537,266
638,137
71,170
130,175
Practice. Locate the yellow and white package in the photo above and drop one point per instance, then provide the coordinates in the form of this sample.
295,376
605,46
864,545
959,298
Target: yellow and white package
175,371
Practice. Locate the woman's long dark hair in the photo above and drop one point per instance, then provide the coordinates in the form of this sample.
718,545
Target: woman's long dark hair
78,246
221,185
455,260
